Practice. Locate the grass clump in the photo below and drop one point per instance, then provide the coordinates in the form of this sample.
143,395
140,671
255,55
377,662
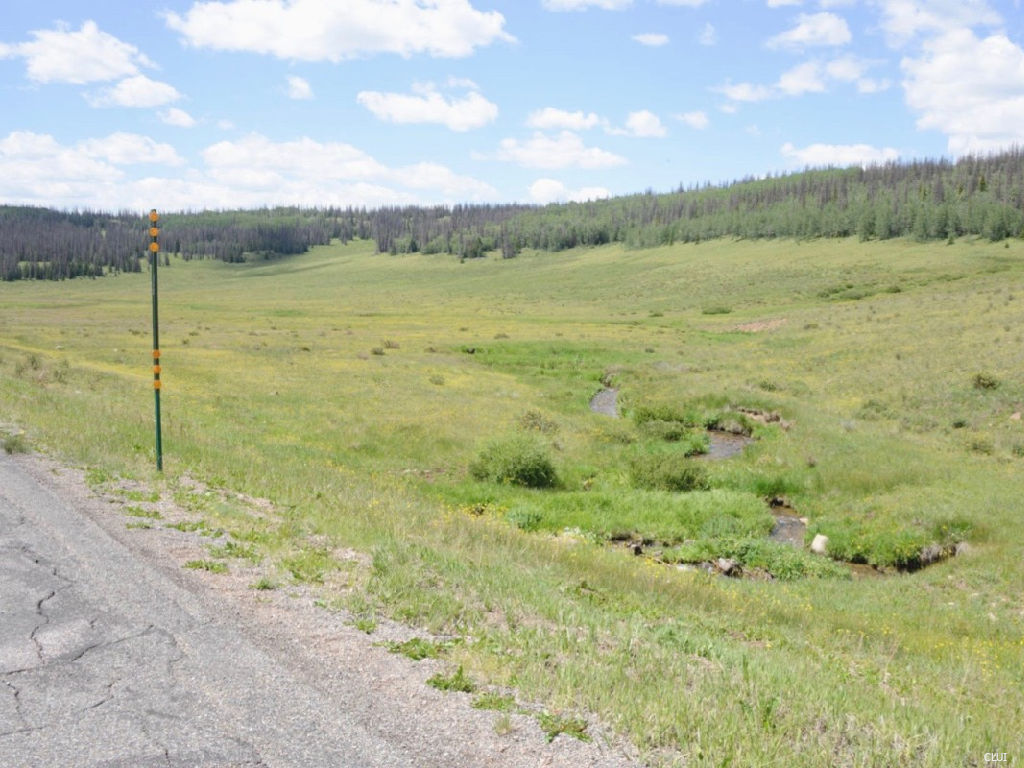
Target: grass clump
418,648
211,566
984,381
15,443
668,472
457,681
495,701
517,461
309,566
555,724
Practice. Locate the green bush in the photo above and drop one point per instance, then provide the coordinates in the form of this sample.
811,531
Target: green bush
15,443
519,461
691,442
668,472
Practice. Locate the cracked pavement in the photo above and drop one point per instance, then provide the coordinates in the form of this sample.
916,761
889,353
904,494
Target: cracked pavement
113,656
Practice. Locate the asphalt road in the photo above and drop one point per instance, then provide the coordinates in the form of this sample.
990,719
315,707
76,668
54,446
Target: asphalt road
108,660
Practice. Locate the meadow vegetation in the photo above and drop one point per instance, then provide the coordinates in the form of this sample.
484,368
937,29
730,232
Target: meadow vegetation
434,415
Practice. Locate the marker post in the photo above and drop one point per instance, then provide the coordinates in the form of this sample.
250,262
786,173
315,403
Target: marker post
154,248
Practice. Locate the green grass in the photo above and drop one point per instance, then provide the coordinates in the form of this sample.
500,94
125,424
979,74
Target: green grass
898,436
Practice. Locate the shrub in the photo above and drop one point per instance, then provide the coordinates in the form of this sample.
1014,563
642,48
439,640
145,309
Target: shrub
985,381
535,421
716,310
518,461
668,472
455,682
15,443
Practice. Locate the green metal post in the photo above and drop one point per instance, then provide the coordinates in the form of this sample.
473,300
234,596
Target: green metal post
154,249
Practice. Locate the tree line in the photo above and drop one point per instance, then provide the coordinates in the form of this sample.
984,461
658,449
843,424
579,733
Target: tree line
926,200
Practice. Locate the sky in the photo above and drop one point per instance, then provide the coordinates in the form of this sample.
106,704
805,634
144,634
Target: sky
186,105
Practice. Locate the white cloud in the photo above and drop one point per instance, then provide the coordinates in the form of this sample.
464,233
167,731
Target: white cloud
781,3
708,35
325,30
803,78
651,39
838,155
809,77
549,118
544,191
870,85
177,117
642,125
86,56
299,88
814,29
687,3
138,91
969,88
903,20
130,149
697,120
850,69
428,105
746,92
35,168
254,171
566,150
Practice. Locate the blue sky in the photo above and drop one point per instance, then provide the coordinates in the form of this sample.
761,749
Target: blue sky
242,103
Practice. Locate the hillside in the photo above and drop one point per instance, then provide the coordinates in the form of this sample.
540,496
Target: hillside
402,408
926,200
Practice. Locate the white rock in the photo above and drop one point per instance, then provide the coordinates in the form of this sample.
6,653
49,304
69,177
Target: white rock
819,545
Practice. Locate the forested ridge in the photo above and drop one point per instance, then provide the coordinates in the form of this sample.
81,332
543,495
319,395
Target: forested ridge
926,200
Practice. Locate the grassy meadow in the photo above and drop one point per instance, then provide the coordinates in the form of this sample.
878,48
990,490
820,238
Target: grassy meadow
377,400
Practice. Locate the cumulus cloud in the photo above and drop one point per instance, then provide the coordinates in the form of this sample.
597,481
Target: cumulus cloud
708,35
299,88
177,117
138,91
250,172
642,125
544,191
129,149
428,105
566,150
551,118
803,78
651,39
697,120
326,30
88,55
904,20
838,155
36,168
969,88
809,77
745,92
813,30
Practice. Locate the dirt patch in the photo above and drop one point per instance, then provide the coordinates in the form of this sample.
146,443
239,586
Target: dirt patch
760,326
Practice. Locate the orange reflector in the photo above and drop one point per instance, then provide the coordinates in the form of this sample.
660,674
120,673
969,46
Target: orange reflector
153,231
153,216
156,369
154,247
156,384
156,354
